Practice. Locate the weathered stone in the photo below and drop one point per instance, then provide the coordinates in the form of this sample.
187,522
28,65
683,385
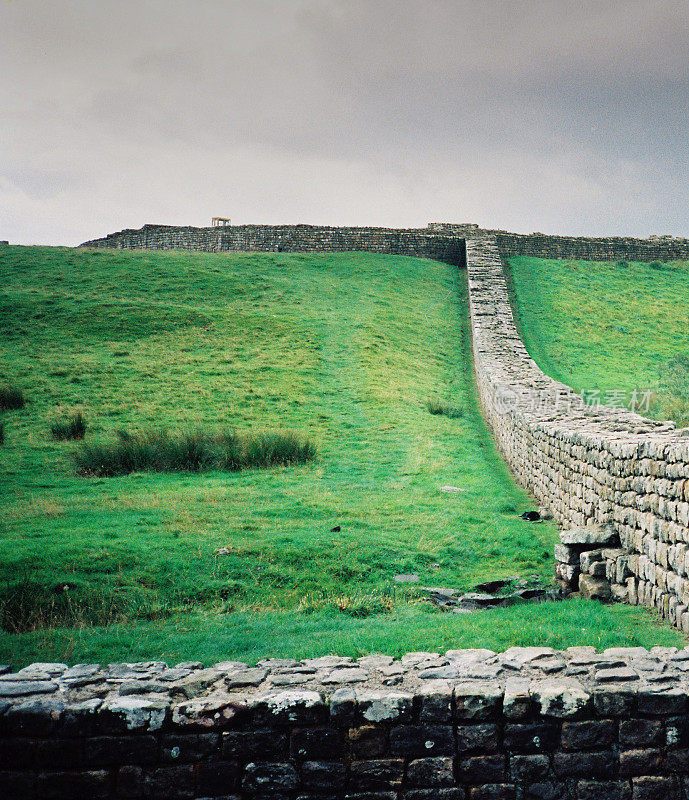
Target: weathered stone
559,697
269,778
593,588
430,772
138,713
384,706
590,535
477,701
214,711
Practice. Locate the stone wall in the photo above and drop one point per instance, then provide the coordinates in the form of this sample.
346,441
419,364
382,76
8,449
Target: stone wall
612,248
442,241
528,723
421,242
592,467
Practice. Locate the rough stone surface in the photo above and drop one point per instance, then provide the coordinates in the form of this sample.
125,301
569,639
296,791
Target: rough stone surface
545,724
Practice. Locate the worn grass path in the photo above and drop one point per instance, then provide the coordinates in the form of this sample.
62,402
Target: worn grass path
344,348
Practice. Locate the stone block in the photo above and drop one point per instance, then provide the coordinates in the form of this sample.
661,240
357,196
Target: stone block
109,751
215,778
477,701
316,744
641,733
271,744
528,769
478,738
482,769
264,778
532,737
585,764
321,776
430,772
493,791
640,762
593,588
588,734
94,785
603,790
417,741
566,554
650,787
590,535
376,775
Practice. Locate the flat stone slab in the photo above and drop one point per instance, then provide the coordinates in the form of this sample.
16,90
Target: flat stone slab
590,535
478,681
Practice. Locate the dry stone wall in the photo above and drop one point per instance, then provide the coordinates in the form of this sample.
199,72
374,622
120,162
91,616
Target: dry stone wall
530,723
419,242
623,478
661,248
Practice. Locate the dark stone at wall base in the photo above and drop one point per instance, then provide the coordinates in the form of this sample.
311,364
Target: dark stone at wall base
655,788
379,774
71,785
265,778
584,765
604,790
482,769
418,741
321,776
430,772
495,791
367,741
546,791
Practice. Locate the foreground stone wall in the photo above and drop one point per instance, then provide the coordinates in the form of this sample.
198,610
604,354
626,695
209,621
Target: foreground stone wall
422,242
529,723
590,466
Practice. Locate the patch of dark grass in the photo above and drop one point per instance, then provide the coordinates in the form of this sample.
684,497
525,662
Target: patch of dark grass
438,408
72,427
660,266
2,434
673,399
623,264
193,451
11,398
30,605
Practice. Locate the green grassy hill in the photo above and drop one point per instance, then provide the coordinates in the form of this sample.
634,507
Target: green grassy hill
609,329
346,349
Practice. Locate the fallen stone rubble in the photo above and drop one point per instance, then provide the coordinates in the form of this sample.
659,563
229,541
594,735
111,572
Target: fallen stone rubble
494,594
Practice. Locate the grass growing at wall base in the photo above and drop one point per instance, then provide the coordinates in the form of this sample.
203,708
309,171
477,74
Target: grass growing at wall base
290,634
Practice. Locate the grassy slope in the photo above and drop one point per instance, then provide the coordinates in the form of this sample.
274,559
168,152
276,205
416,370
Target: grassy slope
599,325
345,348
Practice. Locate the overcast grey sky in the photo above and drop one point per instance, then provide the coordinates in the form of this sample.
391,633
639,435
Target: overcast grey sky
550,115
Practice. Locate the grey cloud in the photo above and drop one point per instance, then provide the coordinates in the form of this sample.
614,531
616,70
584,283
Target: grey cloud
532,115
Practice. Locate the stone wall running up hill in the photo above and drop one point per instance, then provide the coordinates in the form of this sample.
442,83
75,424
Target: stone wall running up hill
527,724
588,465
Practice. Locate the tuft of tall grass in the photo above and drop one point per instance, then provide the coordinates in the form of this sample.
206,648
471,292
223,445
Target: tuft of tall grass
191,451
439,407
11,398
73,427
